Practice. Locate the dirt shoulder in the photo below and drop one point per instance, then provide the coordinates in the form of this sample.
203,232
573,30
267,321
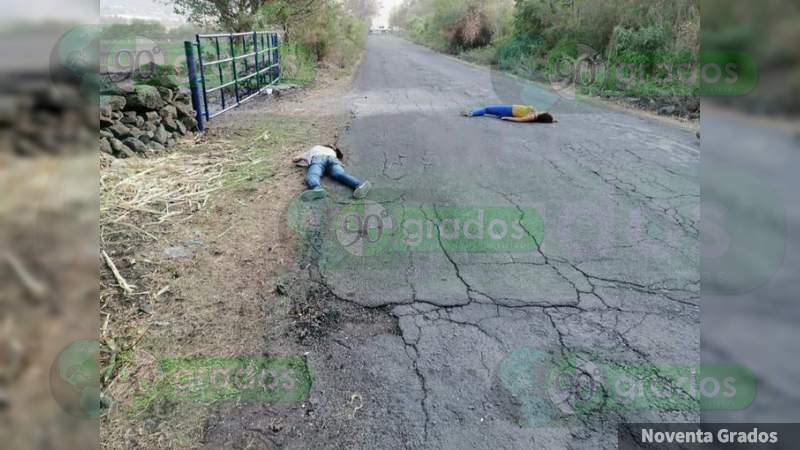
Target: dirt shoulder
200,236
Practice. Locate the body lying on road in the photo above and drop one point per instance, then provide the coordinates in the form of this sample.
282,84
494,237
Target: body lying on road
513,113
322,159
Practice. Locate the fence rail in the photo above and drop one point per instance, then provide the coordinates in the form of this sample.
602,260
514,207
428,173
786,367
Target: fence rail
224,75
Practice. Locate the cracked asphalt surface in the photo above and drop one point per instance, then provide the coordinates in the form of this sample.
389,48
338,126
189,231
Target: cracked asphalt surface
613,273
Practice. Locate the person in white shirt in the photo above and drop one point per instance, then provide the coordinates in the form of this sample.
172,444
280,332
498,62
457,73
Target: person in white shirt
322,159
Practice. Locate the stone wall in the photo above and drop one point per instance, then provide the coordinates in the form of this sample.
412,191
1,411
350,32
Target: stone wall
40,117
143,119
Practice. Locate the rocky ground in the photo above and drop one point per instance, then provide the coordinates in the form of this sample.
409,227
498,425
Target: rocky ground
48,249
681,107
40,117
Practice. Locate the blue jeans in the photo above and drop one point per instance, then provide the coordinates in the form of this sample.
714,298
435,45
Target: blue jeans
330,165
494,110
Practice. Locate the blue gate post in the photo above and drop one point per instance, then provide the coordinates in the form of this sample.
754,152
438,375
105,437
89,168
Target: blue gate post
221,77
255,50
193,86
233,61
267,58
202,76
277,56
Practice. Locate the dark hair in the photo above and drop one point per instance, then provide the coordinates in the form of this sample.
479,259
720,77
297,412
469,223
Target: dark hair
544,118
339,153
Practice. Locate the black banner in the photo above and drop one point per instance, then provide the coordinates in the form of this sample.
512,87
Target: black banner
690,436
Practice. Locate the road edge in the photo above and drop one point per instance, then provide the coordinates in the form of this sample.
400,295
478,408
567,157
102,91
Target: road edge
594,101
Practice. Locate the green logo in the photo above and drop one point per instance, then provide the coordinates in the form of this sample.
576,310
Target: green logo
76,58
370,229
725,74
241,379
583,70
405,222
365,229
75,380
564,388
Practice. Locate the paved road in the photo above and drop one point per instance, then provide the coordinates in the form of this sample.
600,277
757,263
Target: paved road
596,262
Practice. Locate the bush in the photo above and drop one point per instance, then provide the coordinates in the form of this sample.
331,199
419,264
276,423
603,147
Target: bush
156,75
527,37
648,45
455,25
324,35
332,36
298,64
643,63
472,30
483,55
519,54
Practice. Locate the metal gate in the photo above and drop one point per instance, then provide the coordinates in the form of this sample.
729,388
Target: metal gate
227,69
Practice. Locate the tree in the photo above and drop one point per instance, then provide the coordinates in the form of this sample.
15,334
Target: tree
240,15
286,13
228,15
150,29
247,15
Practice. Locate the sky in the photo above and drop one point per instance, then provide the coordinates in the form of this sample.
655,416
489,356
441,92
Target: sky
150,9
50,10
84,11
385,11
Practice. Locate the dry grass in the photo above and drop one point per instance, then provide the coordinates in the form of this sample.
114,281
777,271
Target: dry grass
145,194
141,200
165,189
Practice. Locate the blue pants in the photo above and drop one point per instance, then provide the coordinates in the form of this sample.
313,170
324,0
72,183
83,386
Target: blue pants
495,110
330,165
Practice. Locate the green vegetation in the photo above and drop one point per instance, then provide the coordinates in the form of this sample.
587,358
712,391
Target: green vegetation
455,26
145,51
277,131
332,35
207,380
314,32
764,32
149,29
641,44
299,63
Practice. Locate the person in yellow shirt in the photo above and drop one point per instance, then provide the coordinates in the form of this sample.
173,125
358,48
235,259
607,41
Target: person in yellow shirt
513,113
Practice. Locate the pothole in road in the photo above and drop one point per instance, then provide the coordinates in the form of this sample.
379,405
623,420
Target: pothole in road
316,314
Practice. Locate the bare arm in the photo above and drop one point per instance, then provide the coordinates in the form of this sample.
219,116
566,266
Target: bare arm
300,157
528,118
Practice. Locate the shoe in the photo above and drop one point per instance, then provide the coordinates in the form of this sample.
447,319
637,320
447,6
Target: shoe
362,190
466,113
314,194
